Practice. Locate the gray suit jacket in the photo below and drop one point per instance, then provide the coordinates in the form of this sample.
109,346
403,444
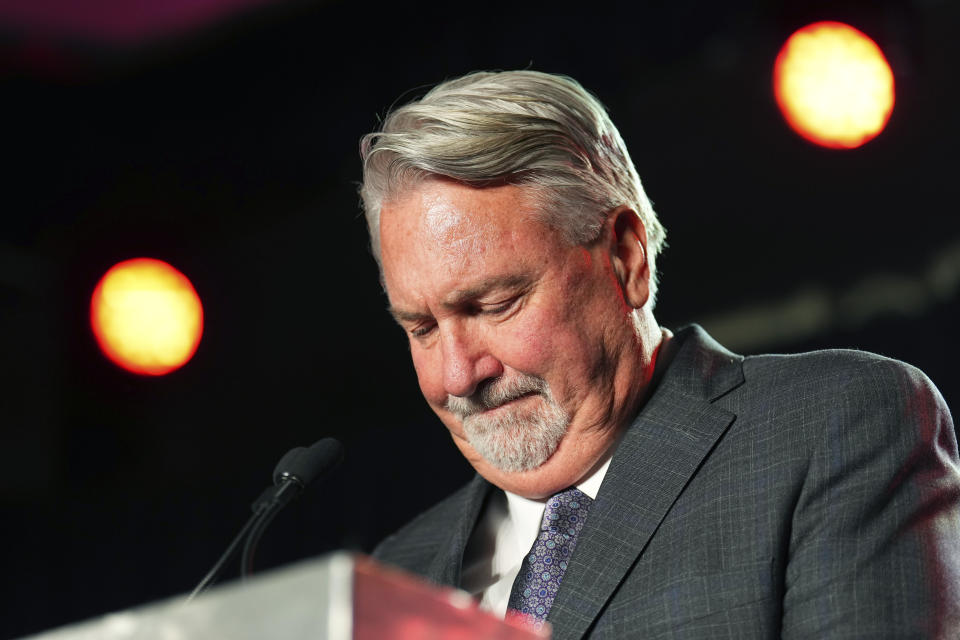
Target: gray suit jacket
803,496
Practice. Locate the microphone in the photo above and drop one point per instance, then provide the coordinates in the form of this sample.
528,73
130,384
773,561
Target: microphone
301,466
298,468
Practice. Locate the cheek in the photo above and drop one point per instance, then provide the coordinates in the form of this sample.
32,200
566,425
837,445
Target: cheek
530,344
565,341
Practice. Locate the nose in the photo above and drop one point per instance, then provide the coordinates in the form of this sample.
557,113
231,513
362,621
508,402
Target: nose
466,362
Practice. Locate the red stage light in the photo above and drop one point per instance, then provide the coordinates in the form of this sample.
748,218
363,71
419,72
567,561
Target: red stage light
833,85
146,316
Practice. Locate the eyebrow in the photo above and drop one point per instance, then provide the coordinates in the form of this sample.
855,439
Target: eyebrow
461,296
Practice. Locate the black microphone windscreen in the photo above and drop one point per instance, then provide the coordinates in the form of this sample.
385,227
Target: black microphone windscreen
306,464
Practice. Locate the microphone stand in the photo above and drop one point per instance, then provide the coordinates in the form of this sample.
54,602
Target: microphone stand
289,488
296,470
260,506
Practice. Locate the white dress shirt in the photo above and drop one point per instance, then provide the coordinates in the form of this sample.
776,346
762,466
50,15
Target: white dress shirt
504,534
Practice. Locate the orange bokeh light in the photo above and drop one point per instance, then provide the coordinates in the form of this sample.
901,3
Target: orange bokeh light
833,85
146,316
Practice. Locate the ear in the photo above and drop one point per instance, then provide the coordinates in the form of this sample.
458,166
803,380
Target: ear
628,255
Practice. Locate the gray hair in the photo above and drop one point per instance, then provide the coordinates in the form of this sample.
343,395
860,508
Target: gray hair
511,127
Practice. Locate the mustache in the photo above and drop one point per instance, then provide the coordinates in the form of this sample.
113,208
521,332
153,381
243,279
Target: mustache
492,394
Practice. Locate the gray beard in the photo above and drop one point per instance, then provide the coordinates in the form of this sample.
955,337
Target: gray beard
518,439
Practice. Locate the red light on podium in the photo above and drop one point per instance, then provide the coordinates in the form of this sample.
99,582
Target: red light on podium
146,316
833,85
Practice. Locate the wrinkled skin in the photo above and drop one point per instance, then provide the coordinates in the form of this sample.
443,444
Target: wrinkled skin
486,291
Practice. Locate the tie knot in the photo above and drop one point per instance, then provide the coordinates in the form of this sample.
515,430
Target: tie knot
565,511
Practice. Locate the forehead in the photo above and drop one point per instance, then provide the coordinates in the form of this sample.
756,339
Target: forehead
445,234
440,206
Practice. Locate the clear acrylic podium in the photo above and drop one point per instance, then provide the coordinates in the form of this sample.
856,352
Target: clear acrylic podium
336,597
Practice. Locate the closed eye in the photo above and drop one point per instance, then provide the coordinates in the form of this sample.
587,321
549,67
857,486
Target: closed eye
499,307
422,331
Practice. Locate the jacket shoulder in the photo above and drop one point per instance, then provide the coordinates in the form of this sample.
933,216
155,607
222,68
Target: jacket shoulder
845,396
841,372
415,545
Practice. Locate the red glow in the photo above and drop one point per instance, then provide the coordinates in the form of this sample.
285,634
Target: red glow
146,316
833,85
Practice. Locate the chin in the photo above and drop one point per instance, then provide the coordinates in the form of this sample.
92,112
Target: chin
515,444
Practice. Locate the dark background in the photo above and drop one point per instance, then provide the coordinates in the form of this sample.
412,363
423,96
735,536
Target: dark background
228,147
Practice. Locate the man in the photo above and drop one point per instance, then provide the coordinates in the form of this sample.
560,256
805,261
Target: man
632,482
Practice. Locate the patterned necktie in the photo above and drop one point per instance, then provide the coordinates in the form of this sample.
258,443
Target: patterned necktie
543,568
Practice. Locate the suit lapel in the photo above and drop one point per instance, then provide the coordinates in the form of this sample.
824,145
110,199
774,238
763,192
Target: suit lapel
448,563
659,453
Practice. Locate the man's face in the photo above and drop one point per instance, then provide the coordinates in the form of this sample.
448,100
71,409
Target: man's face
523,345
